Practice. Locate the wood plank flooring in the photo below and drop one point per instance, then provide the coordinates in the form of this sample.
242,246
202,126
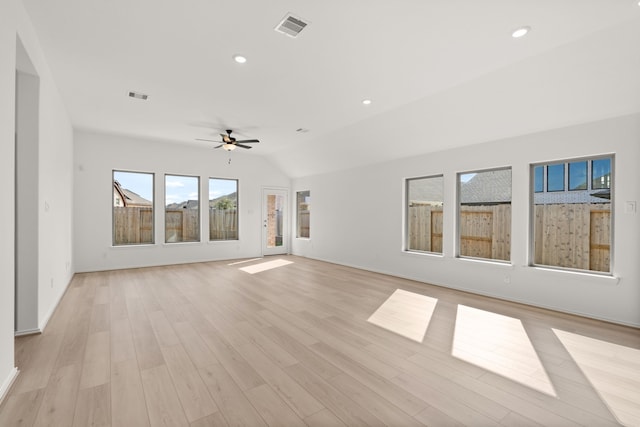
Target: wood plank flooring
209,344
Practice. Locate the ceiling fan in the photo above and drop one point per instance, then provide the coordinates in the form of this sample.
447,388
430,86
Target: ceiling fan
230,143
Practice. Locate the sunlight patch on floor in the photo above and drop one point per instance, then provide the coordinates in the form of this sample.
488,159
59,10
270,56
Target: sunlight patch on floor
501,345
612,369
405,313
264,266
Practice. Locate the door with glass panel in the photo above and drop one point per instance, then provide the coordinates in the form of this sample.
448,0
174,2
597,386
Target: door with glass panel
275,235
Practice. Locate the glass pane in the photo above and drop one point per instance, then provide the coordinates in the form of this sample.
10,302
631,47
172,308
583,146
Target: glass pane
275,206
182,209
223,209
425,198
555,177
303,203
538,181
601,174
572,229
484,214
132,208
578,176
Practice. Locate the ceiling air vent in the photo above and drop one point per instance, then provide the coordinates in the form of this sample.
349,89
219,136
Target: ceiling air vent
291,25
138,95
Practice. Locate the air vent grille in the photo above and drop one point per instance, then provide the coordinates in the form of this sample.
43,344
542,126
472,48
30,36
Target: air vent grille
291,25
138,95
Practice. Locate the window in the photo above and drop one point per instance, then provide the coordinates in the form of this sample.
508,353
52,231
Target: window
577,176
303,201
572,229
484,214
132,208
601,174
538,173
182,209
555,177
223,209
425,198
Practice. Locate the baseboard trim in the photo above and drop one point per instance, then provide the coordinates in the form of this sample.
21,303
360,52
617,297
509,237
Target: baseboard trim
27,332
484,294
6,385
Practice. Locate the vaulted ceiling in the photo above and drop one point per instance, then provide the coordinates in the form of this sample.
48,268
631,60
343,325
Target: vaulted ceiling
439,73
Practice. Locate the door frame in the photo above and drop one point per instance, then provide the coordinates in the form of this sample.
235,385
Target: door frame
286,232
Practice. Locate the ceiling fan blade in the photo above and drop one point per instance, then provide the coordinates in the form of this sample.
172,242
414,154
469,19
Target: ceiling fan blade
218,146
242,145
207,140
248,141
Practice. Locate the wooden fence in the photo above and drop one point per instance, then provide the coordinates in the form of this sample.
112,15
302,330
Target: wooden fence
135,225
565,235
223,224
573,235
303,224
132,226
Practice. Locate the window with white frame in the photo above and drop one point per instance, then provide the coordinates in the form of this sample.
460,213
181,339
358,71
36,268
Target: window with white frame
484,214
223,209
132,209
571,228
303,214
424,204
182,208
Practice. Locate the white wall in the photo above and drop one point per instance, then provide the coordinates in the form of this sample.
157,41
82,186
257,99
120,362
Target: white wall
97,155
8,12
26,220
357,220
54,169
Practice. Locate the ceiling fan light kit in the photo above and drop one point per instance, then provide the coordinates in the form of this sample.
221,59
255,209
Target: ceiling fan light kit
230,143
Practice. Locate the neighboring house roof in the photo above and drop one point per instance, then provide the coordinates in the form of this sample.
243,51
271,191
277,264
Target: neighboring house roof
130,198
487,188
428,191
575,196
134,199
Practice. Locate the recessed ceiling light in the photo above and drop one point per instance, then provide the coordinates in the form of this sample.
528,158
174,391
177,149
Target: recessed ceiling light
240,59
520,32
366,102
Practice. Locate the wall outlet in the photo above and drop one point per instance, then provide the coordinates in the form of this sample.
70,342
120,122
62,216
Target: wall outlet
630,207
52,283
507,278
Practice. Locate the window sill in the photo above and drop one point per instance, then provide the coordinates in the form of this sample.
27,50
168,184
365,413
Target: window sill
166,244
142,245
423,253
483,261
593,277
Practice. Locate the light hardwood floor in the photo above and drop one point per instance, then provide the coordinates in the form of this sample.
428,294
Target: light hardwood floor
209,344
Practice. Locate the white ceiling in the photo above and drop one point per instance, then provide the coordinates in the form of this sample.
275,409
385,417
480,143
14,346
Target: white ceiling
437,69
